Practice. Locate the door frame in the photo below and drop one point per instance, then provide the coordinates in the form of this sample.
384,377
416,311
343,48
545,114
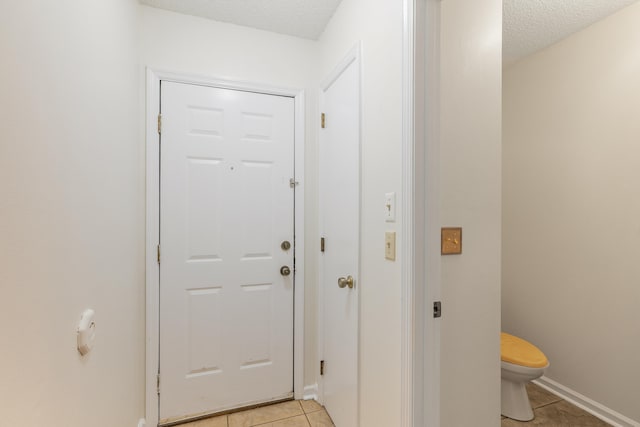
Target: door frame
152,338
353,56
420,235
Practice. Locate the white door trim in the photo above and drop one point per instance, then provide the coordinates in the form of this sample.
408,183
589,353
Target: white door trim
153,226
420,234
409,324
352,56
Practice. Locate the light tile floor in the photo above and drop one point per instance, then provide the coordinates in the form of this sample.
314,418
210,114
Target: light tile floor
297,413
550,410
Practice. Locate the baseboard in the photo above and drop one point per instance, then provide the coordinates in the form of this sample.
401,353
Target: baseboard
310,392
594,408
142,422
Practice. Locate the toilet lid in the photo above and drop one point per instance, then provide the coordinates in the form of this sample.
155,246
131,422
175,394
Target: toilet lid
520,352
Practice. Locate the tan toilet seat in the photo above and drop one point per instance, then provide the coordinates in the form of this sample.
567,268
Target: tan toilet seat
520,352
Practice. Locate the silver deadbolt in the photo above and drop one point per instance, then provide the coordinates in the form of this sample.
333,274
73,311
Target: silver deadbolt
286,245
285,271
343,282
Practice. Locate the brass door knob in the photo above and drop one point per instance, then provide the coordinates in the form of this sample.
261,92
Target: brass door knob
343,282
285,271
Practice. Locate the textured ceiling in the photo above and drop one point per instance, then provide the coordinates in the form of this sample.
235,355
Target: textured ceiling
301,18
530,25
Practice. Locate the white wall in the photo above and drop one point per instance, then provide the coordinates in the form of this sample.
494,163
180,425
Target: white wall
470,164
378,25
186,44
72,180
571,276
71,214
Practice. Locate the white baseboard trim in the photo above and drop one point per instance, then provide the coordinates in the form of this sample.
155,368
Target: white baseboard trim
142,422
594,408
310,392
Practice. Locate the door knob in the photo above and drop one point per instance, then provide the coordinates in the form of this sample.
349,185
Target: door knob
285,271
343,282
286,245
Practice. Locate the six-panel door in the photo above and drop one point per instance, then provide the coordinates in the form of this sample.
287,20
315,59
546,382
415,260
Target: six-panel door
226,311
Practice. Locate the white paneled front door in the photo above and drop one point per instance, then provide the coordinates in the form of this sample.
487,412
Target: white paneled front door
340,227
226,209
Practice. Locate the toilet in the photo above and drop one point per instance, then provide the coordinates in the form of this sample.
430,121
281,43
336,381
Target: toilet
521,362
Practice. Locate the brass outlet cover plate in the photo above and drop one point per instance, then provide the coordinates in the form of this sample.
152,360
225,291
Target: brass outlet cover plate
451,240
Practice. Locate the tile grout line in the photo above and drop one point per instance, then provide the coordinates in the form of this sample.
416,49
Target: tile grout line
300,407
279,419
267,406
548,404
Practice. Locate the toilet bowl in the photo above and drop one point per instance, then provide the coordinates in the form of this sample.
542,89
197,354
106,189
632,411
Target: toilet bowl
521,362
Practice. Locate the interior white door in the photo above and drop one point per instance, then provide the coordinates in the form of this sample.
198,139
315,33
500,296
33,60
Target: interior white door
340,227
226,310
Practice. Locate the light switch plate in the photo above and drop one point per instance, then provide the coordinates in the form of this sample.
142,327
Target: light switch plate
451,240
390,245
390,207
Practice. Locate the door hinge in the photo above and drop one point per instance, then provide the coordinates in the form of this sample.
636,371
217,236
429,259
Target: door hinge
158,254
293,182
437,309
322,367
322,122
158,384
160,123
322,244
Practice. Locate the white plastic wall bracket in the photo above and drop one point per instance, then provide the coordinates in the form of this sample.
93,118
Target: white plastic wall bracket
86,332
